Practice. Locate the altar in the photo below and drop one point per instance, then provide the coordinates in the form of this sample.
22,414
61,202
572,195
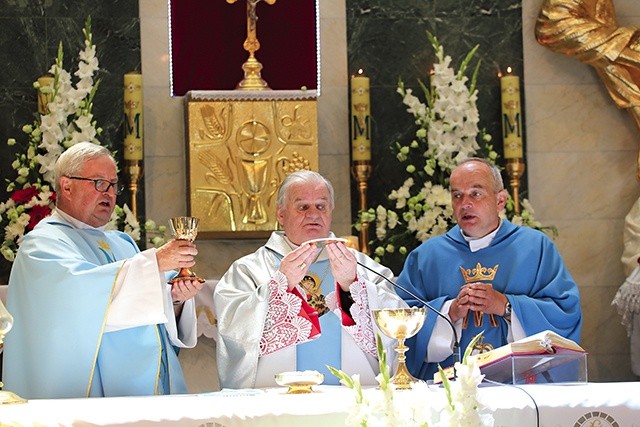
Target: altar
605,404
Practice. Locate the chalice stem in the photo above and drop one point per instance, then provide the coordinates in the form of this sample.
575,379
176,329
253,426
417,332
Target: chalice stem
402,378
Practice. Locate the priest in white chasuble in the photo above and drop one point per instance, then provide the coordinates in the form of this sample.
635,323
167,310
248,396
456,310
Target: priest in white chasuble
94,316
300,305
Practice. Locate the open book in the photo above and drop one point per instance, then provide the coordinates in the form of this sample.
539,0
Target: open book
552,350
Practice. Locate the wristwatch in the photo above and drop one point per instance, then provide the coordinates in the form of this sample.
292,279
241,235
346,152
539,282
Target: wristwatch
507,311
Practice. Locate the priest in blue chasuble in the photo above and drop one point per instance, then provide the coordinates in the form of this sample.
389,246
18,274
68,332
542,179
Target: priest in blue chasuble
487,275
94,316
295,304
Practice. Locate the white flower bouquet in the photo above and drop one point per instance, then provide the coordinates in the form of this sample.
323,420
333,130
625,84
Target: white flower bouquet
459,406
66,120
447,132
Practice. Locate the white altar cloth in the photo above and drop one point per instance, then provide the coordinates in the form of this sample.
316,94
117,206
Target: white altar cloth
558,405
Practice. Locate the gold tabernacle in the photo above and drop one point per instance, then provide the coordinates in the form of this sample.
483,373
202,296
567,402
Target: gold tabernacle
241,145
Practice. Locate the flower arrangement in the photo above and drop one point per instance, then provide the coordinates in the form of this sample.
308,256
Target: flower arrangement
65,120
383,407
447,132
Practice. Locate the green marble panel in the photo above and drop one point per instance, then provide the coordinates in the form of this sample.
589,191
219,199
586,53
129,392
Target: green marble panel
30,32
388,40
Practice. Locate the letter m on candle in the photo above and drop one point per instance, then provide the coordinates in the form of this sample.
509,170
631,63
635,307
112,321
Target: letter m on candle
132,125
511,124
361,126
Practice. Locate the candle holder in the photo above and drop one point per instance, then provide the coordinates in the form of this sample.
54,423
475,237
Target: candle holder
134,171
515,170
361,171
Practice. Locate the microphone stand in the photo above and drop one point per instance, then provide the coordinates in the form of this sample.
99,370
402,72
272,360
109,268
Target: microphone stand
456,342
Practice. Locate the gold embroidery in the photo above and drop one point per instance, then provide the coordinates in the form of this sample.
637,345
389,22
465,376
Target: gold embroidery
477,274
104,245
311,284
481,347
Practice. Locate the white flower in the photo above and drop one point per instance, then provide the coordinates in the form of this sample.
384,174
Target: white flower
67,121
458,406
16,229
447,133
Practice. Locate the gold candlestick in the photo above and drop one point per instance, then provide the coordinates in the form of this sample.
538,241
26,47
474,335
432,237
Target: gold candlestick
361,171
133,134
515,170
45,92
134,171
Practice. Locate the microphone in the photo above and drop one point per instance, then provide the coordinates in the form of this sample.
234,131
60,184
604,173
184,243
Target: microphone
456,342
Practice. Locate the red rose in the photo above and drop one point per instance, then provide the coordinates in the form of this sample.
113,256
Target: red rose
24,195
36,214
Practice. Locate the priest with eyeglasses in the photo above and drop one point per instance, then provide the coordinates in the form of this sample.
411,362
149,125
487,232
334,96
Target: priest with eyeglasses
94,316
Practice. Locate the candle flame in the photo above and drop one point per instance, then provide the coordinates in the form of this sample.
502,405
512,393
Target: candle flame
509,70
360,71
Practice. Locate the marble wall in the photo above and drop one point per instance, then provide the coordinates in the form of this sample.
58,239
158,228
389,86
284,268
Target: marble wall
582,155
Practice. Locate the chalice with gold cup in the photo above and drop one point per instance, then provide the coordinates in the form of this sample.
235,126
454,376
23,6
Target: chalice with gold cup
400,323
185,228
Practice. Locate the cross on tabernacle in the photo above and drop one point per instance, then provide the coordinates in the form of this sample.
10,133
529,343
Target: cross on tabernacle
252,79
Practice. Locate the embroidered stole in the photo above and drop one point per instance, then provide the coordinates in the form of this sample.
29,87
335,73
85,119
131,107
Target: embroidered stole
327,348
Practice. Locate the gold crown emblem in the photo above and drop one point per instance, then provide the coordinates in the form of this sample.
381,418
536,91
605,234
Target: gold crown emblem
479,273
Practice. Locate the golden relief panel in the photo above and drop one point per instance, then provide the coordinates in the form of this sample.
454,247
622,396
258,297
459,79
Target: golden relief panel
239,151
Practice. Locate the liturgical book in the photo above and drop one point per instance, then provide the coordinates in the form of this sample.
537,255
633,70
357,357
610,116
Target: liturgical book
531,355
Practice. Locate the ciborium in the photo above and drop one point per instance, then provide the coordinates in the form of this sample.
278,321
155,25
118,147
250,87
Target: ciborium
185,228
400,323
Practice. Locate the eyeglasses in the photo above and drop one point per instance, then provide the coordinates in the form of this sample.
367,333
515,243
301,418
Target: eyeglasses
101,185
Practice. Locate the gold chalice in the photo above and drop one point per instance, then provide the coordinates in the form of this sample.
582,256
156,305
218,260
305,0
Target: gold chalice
185,228
400,323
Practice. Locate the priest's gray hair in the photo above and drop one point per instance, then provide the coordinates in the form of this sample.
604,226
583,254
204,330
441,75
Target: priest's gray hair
498,183
303,177
70,162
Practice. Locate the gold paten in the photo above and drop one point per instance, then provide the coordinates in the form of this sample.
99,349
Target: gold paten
241,145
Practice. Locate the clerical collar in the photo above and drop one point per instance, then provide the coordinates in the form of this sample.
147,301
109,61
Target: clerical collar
475,244
75,222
